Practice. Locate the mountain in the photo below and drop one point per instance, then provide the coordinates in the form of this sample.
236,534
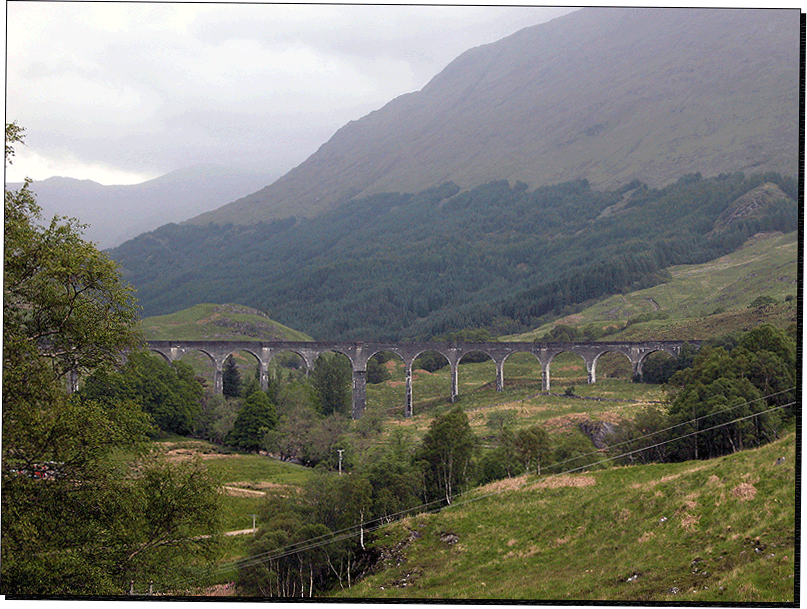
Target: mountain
572,161
117,213
605,94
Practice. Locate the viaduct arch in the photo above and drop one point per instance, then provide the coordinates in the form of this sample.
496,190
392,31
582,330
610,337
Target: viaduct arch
359,353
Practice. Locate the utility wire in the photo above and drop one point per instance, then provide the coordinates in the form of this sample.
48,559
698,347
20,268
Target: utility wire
687,422
638,450
378,523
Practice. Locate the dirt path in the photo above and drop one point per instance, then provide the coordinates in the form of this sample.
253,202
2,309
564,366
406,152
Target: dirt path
241,532
235,491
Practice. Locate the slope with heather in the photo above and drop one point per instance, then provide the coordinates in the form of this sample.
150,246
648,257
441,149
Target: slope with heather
702,301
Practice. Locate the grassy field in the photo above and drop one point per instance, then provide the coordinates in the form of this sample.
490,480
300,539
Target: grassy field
613,396
707,531
703,299
244,479
712,531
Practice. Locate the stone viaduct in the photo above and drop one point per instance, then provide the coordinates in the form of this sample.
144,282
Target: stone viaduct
359,353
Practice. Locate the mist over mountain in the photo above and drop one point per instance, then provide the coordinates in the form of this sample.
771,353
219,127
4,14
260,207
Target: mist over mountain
605,94
119,212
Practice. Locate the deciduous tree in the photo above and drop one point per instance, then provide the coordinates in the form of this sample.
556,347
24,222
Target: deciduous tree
446,455
67,505
169,393
532,448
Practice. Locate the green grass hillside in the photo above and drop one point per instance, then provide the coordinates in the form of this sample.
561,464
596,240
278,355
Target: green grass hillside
218,322
707,531
703,300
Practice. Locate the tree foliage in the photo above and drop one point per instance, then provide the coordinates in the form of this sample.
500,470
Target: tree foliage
300,549
494,258
725,398
394,477
376,371
445,455
332,379
255,419
532,448
168,392
732,394
231,378
298,413
76,519
61,296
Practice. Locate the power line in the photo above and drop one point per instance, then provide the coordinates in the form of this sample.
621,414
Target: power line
368,525
675,439
378,523
687,422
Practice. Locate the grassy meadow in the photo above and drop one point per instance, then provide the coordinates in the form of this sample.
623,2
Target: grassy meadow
696,532
701,300
218,322
612,397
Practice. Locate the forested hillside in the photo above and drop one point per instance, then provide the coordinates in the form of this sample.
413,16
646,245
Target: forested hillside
411,266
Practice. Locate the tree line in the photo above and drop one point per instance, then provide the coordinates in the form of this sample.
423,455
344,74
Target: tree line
736,392
86,505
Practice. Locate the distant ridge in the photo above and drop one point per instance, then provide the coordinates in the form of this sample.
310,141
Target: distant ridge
606,94
115,213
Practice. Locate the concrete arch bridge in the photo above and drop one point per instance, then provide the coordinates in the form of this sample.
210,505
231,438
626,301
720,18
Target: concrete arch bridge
359,353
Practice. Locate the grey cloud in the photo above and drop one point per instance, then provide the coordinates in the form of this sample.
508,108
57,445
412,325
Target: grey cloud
156,87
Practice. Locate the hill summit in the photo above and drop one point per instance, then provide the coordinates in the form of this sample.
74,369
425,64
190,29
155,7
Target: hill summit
218,322
605,94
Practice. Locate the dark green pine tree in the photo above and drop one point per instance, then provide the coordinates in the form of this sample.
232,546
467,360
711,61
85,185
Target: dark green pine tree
257,416
231,378
332,378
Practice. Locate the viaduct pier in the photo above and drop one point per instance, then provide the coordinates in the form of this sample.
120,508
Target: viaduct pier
359,353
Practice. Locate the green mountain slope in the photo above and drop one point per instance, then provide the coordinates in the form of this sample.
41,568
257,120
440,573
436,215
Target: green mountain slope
218,322
695,532
700,301
411,266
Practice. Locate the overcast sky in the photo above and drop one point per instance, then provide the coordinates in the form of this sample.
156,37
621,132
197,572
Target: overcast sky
123,92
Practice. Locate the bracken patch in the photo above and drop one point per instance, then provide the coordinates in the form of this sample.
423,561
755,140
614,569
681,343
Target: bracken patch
688,521
561,481
744,491
506,484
